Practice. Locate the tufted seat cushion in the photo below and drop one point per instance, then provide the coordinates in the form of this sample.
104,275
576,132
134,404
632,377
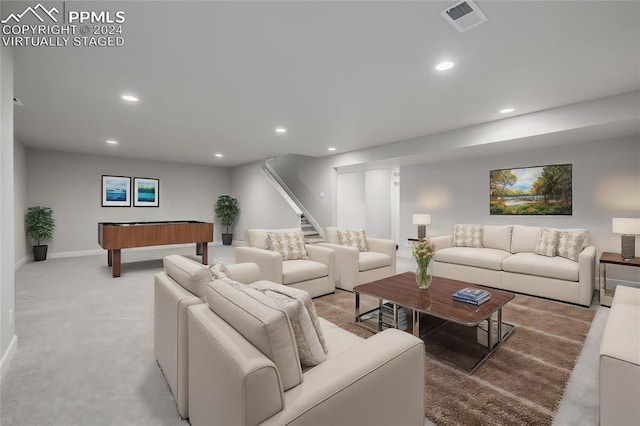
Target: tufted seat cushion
534,264
373,260
470,256
295,271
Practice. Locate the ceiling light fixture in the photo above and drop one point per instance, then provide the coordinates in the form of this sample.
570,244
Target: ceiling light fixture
130,98
332,148
444,66
112,142
506,110
218,155
281,130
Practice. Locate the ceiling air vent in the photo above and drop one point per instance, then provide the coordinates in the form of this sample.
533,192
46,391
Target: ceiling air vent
17,102
464,15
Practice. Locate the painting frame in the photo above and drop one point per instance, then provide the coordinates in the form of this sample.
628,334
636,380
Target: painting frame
146,192
116,191
532,191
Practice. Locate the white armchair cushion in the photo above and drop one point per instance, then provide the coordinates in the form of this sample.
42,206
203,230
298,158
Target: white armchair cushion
191,275
353,238
372,260
467,235
262,322
497,237
295,271
290,245
548,242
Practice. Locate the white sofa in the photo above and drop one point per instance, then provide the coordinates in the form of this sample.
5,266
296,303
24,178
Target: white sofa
354,267
244,370
620,361
507,261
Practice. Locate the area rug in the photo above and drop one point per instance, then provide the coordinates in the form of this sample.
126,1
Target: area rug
521,383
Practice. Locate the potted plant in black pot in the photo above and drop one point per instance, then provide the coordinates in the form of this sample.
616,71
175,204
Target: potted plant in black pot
39,225
227,210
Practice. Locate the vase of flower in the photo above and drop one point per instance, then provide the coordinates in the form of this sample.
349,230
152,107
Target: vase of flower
423,252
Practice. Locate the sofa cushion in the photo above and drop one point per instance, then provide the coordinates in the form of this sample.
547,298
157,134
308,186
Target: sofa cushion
467,235
534,264
262,322
259,238
373,260
295,271
356,238
570,244
192,276
524,238
497,237
291,245
548,242
478,257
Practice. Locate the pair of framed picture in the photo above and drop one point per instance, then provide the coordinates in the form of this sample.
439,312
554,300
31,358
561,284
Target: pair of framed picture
116,191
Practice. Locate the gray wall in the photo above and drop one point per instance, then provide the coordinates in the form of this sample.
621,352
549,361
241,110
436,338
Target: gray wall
7,257
606,184
70,184
22,247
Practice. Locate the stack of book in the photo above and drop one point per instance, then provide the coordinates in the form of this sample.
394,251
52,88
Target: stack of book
475,296
404,316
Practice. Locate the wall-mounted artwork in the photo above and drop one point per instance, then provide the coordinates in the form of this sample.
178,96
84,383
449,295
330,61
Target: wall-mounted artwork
146,192
116,191
542,190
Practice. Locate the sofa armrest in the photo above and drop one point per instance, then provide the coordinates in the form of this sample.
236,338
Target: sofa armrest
245,273
442,242
326,256
379,381
269,262
347,265
387,247
587,274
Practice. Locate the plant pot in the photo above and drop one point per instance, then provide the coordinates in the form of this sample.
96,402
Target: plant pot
226,239
40,253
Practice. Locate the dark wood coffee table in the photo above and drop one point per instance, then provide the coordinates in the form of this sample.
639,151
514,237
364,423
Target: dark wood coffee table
402,291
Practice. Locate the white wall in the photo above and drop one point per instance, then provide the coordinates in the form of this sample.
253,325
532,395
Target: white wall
8,340
351,201
71,185
606,184
22,245
261,205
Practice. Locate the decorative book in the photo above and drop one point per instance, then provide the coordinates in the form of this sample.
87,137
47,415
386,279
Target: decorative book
472,295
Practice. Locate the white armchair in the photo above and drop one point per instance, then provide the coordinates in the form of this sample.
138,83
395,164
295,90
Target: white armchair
354,267
315,275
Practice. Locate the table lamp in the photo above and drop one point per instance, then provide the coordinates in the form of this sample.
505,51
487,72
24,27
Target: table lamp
629,227
422,220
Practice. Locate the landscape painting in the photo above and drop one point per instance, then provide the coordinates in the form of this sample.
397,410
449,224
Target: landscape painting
116,191
146,192
542,190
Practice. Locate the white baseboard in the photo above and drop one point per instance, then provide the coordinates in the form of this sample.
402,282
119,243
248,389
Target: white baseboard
613,283
21,262
7,357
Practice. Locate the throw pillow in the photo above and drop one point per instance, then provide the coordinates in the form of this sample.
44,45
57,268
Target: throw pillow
356,239
289,245
219,270
467,236
570,244
548,242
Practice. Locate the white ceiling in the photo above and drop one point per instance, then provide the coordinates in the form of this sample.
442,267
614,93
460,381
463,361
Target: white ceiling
220,76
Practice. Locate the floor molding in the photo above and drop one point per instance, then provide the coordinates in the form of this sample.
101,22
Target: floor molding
7,357
21,262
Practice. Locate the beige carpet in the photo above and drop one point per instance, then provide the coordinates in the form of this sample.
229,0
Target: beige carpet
522,383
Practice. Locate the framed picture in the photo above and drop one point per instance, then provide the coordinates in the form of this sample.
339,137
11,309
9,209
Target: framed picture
116,191
541,190
146,192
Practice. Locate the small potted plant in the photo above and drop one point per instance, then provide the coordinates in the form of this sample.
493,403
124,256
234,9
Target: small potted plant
227,210
39,225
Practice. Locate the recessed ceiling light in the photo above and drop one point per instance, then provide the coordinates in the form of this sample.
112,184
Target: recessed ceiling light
333,148
130,98
444,66
281,130
112,142
506,110
218,155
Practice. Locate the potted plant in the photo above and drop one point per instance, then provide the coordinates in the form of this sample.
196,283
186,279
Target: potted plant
39,225
227,210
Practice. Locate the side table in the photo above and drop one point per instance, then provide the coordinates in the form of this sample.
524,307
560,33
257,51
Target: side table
606,296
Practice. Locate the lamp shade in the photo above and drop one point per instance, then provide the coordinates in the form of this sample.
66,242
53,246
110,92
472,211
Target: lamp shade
626,225
421,219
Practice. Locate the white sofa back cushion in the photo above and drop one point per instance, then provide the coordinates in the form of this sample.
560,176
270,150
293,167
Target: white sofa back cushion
524,238
192,276
262,322
497,237
259,238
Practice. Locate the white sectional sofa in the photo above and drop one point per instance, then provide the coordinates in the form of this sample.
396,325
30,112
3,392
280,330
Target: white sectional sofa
504,257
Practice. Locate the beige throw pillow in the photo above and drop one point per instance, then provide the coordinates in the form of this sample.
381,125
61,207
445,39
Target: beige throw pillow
219,270
289,245
548,242
570,244
467,236
356,238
